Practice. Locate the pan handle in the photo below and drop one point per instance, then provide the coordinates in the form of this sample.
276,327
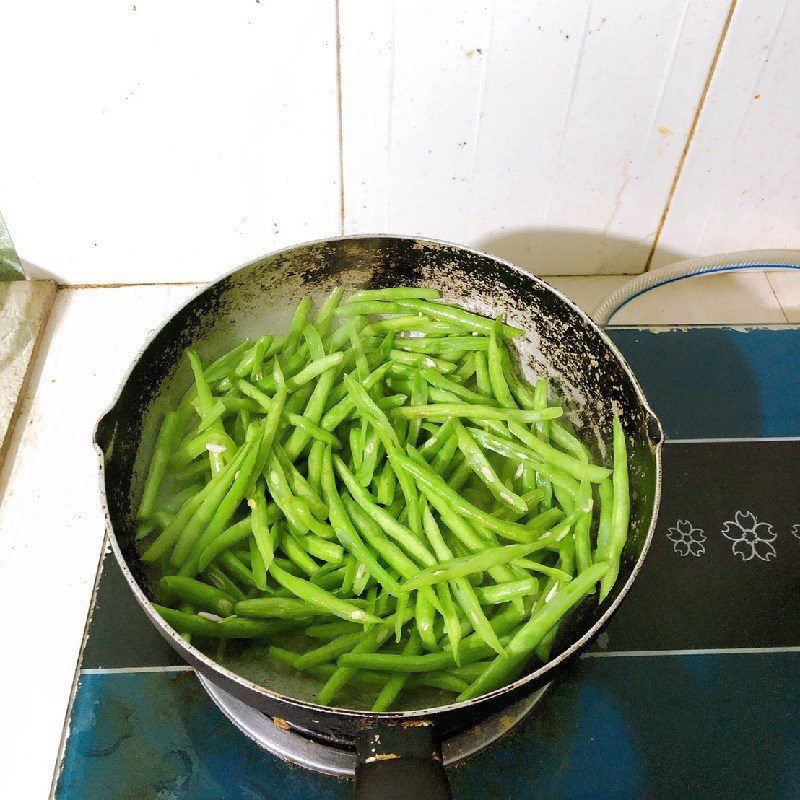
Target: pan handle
400,760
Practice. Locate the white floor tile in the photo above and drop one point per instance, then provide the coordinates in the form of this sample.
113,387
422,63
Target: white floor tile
51,524
786,285
727,299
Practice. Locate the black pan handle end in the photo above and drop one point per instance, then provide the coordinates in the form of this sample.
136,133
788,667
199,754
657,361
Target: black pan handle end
400,760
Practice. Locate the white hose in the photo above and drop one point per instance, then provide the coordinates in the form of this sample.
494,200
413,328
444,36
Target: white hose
748,260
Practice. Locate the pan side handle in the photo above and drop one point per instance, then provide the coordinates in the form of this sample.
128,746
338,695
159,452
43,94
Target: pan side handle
400,760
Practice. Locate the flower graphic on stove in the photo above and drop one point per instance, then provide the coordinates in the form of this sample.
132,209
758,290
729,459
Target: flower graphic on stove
750,537
686,539
796,530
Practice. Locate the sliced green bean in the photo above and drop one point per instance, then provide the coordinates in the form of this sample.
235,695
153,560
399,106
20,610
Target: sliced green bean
165,444
525,640
312,594
457,316
197,594
620,510
480,413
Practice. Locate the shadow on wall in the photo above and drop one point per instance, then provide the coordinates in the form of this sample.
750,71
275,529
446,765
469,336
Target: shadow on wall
565,251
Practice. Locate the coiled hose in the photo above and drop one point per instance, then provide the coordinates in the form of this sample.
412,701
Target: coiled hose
749,260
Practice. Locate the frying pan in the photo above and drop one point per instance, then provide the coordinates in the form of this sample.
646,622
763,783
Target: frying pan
398,752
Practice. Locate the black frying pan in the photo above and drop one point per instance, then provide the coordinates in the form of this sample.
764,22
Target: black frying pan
398,752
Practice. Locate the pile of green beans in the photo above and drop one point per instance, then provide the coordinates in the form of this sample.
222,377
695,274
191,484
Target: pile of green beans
383,483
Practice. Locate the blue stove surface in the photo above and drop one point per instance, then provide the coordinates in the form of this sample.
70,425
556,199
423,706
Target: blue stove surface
695,692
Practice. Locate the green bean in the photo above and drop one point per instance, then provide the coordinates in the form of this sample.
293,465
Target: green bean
395,293
369,459
407,358
228,538
460,567
409,322
346,532
504,592
525,640
298,485
360,581
275,608
189,523
393,555
251,360
226,364
605,491
314,370
568,441
457,316
235,569
480,413
227,628
209,441
449,385
581,533
497,378
432,446
387,484
258,568
322,549
427,662
297,555
367,308
311,416
433,483
620,510
402,535
187,558
483,469
312,594
468,600
370,642
444,458
165,443
460,476
558,575
329,652
424,615
205,404
511,449
395,684
197,594
326,312
571,465
328,631
218,578
467,368
531,499
349,576
451,346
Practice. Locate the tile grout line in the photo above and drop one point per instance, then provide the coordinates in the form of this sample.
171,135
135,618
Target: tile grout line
766,274
690,136
340,121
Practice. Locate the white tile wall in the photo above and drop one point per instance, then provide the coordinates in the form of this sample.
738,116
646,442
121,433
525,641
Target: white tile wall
547,133
740,186
170,141
148,141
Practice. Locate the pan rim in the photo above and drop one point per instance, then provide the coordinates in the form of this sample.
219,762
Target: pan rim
182,646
